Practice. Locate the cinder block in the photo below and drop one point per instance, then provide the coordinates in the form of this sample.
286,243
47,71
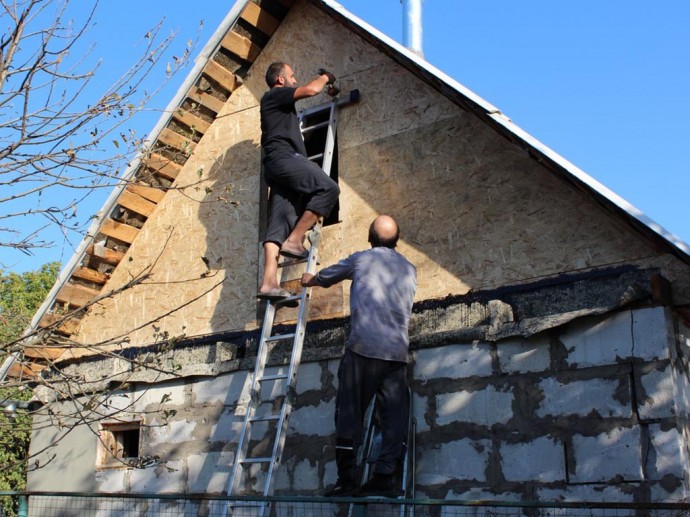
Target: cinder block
313,420
579,493
227,429
297,477
309,377
582,397
167,477
659,392
485,407
474,494
160,396
225,389
209,473
599,341
175,431
541,460
653,334
519,355
669,491
666,457
459,460
453,361
419,408
615,454
111,480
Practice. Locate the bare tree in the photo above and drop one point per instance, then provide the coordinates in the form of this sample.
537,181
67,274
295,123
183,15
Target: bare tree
59,141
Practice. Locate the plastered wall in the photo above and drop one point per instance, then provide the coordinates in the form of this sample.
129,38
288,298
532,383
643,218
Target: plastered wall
475,212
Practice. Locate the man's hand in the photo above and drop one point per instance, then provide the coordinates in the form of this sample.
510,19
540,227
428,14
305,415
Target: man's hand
331,77
308,280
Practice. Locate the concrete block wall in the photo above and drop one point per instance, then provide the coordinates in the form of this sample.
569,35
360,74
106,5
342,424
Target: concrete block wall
585,411
592,410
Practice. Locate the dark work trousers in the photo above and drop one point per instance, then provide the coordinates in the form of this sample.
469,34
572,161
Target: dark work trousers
359,379
297,184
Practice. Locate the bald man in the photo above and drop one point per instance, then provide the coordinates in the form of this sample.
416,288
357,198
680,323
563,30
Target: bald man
375,361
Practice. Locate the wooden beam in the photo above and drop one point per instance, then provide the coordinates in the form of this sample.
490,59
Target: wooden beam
47,353
162,166
68,326
221,75
90,275
105,255
176,141
119,231
151,193
25,370
240,46
76,295
256,16
136,203
191,121
204,99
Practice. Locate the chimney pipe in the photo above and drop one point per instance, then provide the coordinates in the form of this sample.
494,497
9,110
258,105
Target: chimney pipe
412,26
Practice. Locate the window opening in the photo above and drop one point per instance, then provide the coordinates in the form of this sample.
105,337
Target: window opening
120,442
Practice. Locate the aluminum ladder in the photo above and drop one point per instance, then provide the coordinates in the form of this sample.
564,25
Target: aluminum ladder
319,118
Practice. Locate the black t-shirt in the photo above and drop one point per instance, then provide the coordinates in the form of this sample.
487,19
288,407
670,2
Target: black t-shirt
280,131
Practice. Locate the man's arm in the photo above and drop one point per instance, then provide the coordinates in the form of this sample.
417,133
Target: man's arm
309,280
343,270
314,87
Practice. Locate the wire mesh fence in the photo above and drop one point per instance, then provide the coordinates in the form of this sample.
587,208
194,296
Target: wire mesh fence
43,504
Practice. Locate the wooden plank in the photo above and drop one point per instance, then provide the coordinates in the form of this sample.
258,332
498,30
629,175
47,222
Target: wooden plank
176,141
25,370
105,255
221,75
192,121
90,275
151,193
260,19
68,327
136,203
120,231
162,166
46,353
204,99
240,46
76,295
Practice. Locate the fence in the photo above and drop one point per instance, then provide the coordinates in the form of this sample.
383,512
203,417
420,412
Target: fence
63,504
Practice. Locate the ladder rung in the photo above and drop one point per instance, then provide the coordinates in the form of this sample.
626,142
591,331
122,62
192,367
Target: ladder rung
315,126
266,459
265,418
315,157
283,301
292,262
279,337
275,377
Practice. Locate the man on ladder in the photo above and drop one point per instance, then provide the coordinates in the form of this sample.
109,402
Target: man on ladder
294,179
375,361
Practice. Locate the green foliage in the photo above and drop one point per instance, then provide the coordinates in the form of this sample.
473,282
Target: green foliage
20,297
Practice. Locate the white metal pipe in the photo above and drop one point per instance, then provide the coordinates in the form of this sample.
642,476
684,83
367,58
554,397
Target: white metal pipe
412,25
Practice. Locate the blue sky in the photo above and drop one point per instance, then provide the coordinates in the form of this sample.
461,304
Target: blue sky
604,83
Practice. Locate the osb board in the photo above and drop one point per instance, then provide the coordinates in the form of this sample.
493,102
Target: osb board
199,246
474,212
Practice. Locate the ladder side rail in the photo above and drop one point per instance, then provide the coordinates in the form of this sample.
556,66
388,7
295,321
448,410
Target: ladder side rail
295,360
330,140
259,368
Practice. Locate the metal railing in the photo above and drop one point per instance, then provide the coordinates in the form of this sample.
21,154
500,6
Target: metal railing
64,504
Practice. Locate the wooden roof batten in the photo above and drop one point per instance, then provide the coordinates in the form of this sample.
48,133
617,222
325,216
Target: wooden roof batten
78,282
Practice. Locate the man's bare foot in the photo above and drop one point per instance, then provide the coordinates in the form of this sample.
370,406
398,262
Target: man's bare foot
297,251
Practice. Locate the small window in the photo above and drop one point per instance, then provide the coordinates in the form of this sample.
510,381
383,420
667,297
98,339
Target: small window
120,443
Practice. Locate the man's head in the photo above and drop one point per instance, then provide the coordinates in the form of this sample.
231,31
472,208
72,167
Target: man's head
280,74
384,232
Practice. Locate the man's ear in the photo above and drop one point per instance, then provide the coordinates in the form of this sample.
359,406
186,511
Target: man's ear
280,81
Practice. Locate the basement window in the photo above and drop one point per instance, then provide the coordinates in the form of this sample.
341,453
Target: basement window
120,443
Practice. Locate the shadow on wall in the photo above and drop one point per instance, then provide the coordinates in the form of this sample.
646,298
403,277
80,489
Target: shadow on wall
229,213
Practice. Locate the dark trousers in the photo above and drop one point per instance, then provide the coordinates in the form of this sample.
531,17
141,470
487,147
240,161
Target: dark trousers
297,184
359,379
